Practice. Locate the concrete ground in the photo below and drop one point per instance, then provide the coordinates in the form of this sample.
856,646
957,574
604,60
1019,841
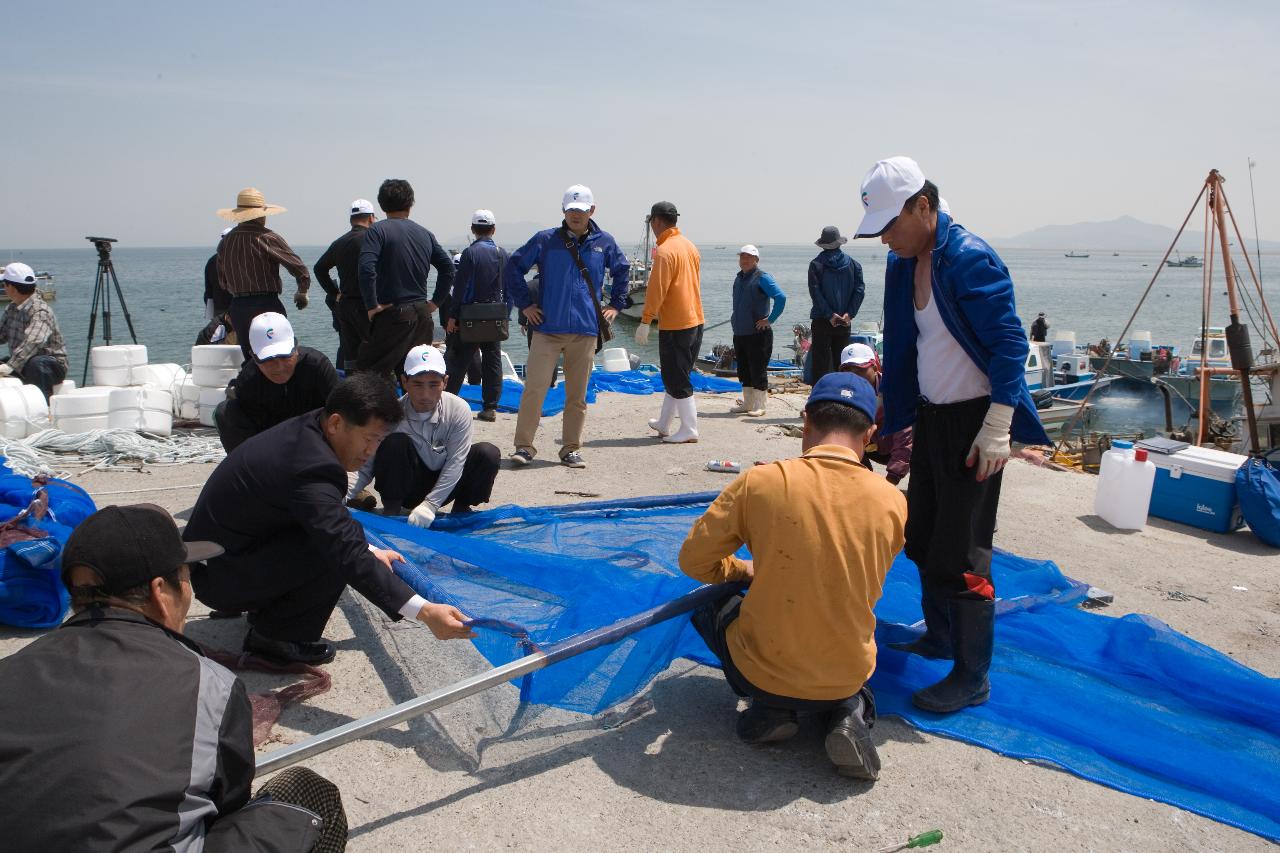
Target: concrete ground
674,776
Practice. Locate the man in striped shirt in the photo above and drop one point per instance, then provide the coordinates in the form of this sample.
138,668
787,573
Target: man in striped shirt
249,261
36,352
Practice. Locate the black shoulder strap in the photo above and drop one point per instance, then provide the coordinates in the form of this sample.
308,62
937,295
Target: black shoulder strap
572,246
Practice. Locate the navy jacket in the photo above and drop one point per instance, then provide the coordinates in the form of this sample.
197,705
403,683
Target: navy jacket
751,294
479,275
344,255
975,300
835,285
288,480
564,298
395,259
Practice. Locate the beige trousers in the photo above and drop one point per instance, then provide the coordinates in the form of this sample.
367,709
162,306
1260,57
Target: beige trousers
544,351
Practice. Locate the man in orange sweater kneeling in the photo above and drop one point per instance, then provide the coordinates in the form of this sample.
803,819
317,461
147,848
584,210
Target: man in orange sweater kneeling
823,531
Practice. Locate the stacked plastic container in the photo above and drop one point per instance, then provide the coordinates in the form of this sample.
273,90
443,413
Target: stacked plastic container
23,411
128,393
213,366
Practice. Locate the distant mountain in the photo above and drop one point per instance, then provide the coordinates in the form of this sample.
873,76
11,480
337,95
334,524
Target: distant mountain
1123,233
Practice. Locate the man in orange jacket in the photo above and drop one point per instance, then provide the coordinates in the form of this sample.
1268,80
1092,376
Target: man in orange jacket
674,299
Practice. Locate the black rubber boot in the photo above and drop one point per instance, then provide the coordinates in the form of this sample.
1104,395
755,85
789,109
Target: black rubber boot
935,642
848,742
762,724
972,639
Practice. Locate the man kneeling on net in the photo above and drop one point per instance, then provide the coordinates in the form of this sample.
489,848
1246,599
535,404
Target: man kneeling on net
824,531
117,733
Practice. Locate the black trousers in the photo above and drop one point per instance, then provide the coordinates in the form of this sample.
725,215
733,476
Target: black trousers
43,371
234,425
826,345
677,352
753,353
353,329
951,517
392,333
244,308
400,475
712,621
288,587
461,358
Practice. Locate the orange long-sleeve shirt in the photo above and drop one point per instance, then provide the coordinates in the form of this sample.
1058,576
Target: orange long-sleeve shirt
822,531
675,284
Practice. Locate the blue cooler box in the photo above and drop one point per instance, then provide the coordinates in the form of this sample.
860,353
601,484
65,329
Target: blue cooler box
1197,486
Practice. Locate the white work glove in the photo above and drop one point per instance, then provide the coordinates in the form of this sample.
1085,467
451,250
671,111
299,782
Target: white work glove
5,369
990,449
642,334
425,513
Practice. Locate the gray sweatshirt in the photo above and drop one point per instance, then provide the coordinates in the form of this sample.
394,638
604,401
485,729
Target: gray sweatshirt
442,438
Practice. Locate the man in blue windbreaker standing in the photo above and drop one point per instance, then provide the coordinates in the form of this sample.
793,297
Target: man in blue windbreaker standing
568,317
837,289
954,358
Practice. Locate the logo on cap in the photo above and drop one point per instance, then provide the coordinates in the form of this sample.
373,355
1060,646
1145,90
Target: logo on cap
845,392
576,196
271,333
424,355
866,202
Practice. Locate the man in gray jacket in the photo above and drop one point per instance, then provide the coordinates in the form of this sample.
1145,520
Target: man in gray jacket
117,733
429,460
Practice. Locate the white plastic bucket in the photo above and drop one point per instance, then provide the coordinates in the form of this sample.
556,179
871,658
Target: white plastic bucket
614,360
66,386
165,377
113,365
217,355
213,377
209,400
81,423
81,410
141,408
22,411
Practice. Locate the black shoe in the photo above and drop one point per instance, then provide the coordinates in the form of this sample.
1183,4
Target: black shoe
848,742
225,614
972,640
286,651
935,643
762,724
363,501
489,415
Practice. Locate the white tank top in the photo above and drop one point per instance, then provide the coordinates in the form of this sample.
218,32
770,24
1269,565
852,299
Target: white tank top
945,371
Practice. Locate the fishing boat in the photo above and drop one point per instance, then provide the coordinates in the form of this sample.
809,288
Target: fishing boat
1137,359
869,333
638,279
1222,388
1075,254
1190,262
1067,378
1055,412
722,361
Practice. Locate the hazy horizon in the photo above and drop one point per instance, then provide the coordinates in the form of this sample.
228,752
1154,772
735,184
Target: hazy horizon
758,121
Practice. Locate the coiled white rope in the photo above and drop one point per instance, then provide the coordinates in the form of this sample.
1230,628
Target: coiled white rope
48,451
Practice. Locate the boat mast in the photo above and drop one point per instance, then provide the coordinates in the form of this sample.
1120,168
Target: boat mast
1257,244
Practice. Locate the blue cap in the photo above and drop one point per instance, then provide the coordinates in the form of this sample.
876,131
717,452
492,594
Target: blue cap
848,388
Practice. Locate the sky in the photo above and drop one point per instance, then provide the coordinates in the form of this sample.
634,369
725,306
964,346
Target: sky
758,120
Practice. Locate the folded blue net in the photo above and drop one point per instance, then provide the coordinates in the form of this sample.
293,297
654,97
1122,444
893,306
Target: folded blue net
1128,703
31,590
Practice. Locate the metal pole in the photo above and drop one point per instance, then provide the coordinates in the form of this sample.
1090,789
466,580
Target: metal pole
567,648
1240,357
1257,244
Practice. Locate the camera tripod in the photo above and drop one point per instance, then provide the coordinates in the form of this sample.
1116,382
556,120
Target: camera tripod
105,278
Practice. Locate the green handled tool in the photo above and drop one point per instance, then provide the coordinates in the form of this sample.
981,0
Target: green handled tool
924,839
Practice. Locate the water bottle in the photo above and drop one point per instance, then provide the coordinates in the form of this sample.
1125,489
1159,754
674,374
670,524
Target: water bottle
724,466
1124,487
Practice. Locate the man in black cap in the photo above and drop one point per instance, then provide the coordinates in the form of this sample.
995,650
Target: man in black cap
1039,328
276,504
836,288
117,733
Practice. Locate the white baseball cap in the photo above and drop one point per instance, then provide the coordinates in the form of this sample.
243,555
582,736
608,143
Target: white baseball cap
885,190
19,273
749,250
483,217
423,358
859,354
270,336
943,207
361,207
577,197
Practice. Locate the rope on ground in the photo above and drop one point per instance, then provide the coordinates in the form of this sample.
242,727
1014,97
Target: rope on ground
50,451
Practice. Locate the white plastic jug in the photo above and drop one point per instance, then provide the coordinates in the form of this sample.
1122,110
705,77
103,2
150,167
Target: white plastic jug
1124,487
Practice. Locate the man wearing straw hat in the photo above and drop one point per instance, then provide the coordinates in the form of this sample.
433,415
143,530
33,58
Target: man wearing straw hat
36,352
249,261
837,289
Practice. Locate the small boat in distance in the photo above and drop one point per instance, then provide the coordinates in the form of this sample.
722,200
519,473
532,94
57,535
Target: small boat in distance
1190,261
638,279
1074,254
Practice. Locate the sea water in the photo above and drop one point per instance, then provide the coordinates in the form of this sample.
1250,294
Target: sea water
1091,296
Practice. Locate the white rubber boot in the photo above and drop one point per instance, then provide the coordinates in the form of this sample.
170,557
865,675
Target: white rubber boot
744,405
662,423
757,401
687,409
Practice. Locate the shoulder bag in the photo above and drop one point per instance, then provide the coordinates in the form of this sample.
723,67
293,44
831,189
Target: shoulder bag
485,322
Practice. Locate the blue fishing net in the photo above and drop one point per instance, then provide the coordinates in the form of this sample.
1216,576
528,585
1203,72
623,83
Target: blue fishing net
624,382
31,590
1128,703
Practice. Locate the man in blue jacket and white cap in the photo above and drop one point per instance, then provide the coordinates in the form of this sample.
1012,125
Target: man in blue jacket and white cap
565,319
954,357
